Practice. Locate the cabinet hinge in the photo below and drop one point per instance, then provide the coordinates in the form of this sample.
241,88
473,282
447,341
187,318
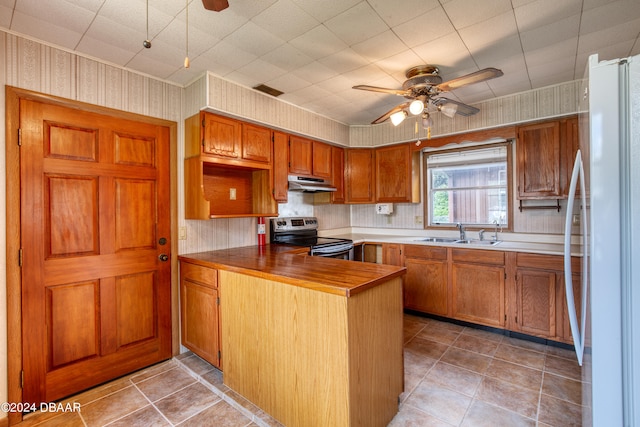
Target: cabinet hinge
21,379
219,356
516,320
203,123
505,276
19,137
505,317
20,257
218,300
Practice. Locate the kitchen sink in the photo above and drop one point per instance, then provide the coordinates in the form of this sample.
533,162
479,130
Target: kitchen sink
478,242
438,240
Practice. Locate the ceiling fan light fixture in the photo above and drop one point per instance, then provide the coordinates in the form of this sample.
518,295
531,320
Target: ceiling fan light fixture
427,121
416,107
448,109
398,117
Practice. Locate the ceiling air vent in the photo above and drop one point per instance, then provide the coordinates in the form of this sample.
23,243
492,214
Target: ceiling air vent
268,90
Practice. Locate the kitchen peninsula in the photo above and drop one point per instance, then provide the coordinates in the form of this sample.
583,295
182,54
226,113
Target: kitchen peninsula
312,341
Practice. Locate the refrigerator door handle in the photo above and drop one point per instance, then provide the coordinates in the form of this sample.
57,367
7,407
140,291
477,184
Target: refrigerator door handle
577,330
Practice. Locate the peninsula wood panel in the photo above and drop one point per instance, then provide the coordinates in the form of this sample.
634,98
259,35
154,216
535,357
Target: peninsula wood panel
342,356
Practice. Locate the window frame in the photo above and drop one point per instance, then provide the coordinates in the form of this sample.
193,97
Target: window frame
470,147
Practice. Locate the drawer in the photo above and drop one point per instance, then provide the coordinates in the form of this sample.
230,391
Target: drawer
197,273
427,252
478,256
546,262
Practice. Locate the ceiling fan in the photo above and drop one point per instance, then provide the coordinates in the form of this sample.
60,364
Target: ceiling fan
424,86
215,5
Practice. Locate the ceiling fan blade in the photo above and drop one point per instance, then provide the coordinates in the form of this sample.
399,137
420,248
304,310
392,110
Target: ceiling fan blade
216,5
383,90
461,109
476,77
388,114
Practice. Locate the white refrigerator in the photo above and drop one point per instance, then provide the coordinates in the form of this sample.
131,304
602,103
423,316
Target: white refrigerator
605,321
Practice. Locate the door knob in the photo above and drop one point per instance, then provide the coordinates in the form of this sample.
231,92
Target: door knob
163,257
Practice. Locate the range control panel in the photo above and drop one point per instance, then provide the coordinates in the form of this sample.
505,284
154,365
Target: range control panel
292,224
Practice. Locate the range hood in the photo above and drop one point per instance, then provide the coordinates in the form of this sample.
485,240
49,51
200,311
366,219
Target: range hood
309,185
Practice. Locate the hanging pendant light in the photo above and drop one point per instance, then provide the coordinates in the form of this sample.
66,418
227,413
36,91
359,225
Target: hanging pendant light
147,43
186,58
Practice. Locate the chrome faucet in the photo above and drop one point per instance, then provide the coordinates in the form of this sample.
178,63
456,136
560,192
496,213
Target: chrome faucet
495,234
463,235
481,234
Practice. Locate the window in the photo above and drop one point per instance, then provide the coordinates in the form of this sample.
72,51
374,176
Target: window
468,186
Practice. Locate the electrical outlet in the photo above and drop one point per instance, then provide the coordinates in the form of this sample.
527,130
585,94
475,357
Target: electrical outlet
418,219
576,219
182,233
232,194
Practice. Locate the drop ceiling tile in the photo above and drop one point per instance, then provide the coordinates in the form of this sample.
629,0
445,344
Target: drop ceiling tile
44,30
108,51
228,56
248,8
310,92
217,24
490,32
261,71
288,83
555,32
287,57
318,42
357,24
65,15
325,9
425,28
394,15
337,84
463,13
254,39
133,14
621,35
343,61
397,65
314,72
286,20
153,66
447,51
113,33
175,35
552,52
490,55
370,72
610,15
540,13
380,46
539,73
6,13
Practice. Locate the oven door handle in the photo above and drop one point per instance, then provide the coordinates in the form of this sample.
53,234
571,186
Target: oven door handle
330,254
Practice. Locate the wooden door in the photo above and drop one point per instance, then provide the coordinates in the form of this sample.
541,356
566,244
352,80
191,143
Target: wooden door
393,174
95,224
321,160
392,254
426,286
337,174
478,294
539,161
280,167
256,143
221,136
536,302
300,156
359,176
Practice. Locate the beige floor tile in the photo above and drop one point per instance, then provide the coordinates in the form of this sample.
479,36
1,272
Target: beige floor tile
197,365
112,407
145,417
515,374
564,367
408,416
482,333
476,344
159,386
455,378
220,414
440,402
562,388
520,356
439,334
426,348
558,412
529,345
482,414
509,396
186,403
466,359
68,419
215,378
411,326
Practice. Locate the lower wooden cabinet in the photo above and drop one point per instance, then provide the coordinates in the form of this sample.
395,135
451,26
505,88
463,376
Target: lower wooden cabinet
199,311
478,286
426,284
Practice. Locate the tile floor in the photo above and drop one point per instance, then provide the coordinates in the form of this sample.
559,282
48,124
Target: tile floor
454,376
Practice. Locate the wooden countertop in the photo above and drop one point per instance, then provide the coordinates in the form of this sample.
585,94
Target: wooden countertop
281,263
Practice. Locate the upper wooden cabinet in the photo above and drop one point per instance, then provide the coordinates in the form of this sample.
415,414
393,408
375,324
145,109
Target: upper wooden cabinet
545,154
309,158
227,168
359,175
397,174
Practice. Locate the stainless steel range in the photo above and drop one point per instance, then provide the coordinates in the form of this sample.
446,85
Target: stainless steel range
303,231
